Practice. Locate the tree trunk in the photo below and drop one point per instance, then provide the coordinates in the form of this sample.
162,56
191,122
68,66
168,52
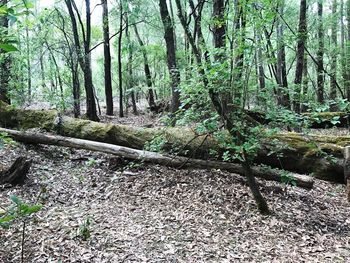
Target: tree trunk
260,71
130,66
221,106
300,55
151,101
320,53
347,51
84,56
29,66
347,170
120,73
281,69
303,106
107,59
155,158
320,155
171,55
334,55
5,64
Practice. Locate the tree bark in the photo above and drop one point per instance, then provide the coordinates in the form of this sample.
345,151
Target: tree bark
281,69
5,65
221,107
334,55
84,55
300,55
17,173
147,70
347,51
120,73
107,59
320,53
171,55
130,66
347,170
153,157
320,155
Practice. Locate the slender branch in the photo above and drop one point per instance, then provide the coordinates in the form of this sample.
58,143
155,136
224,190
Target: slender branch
313,58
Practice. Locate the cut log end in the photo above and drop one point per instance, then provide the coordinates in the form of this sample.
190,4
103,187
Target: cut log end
17,173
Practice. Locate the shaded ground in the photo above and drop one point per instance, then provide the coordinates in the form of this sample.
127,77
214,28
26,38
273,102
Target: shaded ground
156,214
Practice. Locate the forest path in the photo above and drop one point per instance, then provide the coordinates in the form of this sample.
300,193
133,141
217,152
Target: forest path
155,214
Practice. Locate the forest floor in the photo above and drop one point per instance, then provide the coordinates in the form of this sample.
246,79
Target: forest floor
149,213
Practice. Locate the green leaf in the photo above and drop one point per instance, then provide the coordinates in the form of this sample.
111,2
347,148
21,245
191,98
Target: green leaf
33,209
8,47
16,200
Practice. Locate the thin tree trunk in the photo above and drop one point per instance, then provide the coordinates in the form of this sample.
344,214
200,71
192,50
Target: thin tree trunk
320,53
84,55
300,55
147,70
333,83
219,32
29,67
130,66
239,32
171,58
5,64
260,70
120,73
303,106
347,52
58,75
107,59
281,69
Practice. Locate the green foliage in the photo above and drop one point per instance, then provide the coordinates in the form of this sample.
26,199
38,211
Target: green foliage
157,144
288,179
84,231
6,140
18,211
91,162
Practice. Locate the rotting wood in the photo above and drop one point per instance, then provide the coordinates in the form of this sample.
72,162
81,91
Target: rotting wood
16,174
320,155
156,158
347,170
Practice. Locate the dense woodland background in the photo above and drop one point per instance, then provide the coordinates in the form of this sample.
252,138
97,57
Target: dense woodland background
271,54
204,62
105,103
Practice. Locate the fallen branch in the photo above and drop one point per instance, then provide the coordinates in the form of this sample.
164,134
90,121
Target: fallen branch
320,155
153,157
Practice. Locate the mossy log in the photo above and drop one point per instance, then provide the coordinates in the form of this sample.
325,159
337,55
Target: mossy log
157,158
318,155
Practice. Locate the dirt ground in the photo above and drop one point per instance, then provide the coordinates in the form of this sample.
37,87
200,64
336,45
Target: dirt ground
148,213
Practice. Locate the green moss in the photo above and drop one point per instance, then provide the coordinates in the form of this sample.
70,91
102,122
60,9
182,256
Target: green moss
25,119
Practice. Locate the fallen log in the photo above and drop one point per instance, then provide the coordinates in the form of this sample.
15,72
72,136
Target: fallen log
156,158
305,154
347,170
16,174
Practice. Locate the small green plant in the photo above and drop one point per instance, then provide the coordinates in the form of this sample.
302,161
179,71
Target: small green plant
288,179
19,211
5,139
84,229
157,144
91,162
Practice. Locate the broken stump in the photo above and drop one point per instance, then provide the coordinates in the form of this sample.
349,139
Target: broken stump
347,170
17,173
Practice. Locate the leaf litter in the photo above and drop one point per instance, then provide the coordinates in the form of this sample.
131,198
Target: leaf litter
149,213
